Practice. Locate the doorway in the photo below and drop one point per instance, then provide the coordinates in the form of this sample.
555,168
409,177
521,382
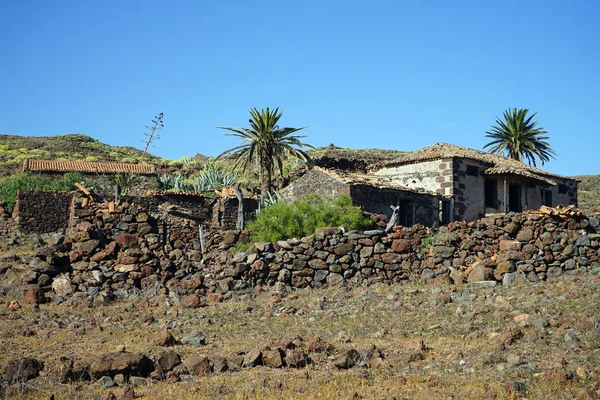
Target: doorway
514,198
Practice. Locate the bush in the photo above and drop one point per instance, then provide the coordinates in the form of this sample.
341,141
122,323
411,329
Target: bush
302,217
10,185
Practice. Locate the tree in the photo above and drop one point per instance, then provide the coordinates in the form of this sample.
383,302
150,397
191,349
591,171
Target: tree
265,144
519,137
157,124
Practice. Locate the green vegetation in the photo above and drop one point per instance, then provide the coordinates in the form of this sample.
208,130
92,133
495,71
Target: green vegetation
9,186
520,138
210,178
302,217
267,145
14,149
429,241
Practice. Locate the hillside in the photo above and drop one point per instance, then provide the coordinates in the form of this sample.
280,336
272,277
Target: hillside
14,149
589,194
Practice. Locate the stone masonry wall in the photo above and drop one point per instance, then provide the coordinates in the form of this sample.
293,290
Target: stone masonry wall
423,207
42,211
107,255
434,176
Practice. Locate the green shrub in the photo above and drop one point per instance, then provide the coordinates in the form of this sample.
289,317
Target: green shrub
10,185
302,217
68,181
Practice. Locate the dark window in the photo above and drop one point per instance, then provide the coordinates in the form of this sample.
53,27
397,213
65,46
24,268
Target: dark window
472,170
405,216
491,193
446,212
548,198
563,189
514,198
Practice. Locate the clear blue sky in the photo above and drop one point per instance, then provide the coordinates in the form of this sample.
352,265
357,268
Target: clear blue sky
386,74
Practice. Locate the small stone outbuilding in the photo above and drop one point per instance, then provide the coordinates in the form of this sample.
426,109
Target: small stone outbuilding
373,194
477,183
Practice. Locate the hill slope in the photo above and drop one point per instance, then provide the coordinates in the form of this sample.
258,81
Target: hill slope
589,194
14,149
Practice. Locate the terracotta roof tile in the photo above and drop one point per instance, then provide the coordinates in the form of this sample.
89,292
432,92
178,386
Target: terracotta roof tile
498,164
88,167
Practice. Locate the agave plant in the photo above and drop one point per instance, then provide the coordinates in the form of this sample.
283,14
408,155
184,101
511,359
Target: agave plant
172,181
267,201
125,182
213,179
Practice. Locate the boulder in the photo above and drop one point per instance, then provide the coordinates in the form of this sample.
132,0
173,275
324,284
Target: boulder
34,296
272,358
478,273
22,369
111,364
197,365
295,358
253,358
347,359
62,286
168,360
164,338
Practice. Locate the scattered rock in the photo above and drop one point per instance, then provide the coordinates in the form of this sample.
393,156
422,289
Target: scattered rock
22,369
197,365
164,338
111,364
347,359
34,296
168,360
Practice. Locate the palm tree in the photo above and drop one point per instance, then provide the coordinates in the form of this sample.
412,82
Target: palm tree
520,138
265,144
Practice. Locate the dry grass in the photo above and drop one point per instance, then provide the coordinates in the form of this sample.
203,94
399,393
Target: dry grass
394,318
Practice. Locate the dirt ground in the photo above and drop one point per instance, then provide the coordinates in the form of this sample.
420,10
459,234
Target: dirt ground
477,341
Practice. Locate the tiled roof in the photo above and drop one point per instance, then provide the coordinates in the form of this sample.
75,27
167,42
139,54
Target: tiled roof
88,167
377,181
498,164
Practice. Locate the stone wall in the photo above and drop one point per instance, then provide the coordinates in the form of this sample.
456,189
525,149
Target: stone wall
469,189
42,211
314,182
421,208
112,254
433,176
225,212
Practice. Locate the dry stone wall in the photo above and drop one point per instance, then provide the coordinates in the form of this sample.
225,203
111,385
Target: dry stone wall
42,211
107,255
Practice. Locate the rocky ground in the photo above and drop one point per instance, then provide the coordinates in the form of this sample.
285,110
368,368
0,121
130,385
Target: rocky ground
409,341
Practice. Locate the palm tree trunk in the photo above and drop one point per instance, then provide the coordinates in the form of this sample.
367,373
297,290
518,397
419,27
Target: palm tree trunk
265,184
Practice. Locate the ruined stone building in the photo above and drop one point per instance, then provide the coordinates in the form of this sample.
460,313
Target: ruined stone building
373,194
476,183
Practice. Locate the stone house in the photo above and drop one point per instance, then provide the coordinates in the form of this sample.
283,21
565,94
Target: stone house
373,194
477,183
